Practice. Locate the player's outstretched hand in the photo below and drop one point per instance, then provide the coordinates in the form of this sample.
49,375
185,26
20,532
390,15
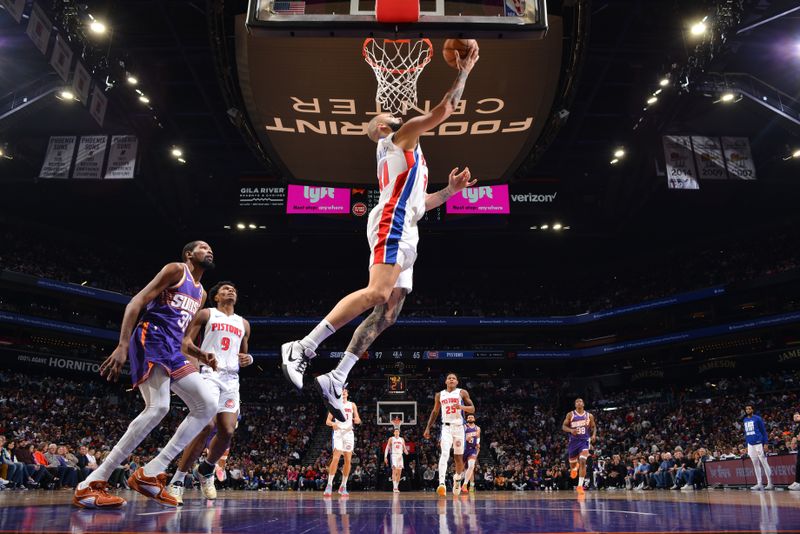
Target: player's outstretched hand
112,366
460,180
426,434
245,359
209,359
466,63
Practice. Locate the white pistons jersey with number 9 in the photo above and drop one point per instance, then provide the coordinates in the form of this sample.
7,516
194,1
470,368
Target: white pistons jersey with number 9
223,336
449,402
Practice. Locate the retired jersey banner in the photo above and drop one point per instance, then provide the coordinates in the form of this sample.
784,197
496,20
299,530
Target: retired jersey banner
58,160
15,8
481,200
709,159
91,154
318,200
680,162
39,28
99,105
81,82
61,60
739,159
122,157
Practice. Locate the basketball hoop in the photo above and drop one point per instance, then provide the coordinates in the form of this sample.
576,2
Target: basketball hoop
397,65
396,423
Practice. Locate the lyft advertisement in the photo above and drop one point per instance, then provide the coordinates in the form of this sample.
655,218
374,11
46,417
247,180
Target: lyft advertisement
482,200
318,200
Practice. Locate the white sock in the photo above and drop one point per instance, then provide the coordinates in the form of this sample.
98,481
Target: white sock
180,476
202,407
580,481
345,365
155,391
320,333
330,479
395,484
344,481
470,468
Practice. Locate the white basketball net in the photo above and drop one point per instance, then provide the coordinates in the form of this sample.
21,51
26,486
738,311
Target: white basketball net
397,65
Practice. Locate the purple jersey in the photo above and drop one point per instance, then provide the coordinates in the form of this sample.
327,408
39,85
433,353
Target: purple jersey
579,442
158,336
470,441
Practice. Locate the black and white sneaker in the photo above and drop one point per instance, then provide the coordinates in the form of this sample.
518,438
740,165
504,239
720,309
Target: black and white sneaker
295,361
331,390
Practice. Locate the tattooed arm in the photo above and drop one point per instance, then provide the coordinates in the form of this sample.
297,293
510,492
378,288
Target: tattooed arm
456,182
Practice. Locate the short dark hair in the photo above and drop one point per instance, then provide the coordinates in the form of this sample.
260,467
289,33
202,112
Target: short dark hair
214,290
188,247
451,373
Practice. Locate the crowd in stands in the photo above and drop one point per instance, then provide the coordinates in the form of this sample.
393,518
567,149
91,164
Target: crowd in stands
56,430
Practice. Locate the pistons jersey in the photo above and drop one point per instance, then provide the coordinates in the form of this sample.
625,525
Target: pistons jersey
397,445
402,179
223,336
449,402
347,425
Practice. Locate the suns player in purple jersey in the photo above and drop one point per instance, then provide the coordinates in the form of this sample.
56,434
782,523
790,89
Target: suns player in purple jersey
392,234
582,433
150,336
472,448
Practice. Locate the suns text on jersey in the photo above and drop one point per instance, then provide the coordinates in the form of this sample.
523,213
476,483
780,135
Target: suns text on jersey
185,302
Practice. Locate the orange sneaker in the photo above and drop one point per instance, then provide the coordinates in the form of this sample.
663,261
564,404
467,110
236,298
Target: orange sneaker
580,489
96,496
573,473
464,489
152,487
441,491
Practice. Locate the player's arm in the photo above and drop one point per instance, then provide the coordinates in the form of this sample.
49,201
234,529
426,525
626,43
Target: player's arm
356,417
432,418
408,134
405,447
386,451
188,346
764,435
168,276
466,405
478,440
331,423
455,183
245,358
565,426
593,427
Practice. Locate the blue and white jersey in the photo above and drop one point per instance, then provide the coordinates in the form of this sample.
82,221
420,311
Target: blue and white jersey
755,431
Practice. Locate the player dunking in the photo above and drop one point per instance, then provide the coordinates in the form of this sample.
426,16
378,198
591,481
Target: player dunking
472,448
451,401
170,302
396,446
393,235
343,444
578,424
226,335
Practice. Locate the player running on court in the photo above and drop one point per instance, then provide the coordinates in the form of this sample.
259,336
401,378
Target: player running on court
226,335
582,433
452,401
396,446
153,344
343,444
472,448
392,234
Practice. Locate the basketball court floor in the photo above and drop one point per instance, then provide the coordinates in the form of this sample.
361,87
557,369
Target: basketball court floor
371,512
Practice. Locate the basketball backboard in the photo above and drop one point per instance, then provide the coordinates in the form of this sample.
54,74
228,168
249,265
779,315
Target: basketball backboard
437,18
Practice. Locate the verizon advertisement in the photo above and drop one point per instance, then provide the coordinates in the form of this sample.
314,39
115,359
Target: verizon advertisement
739,472
311,99
318,200
482,200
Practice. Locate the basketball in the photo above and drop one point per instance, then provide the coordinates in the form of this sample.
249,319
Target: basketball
457,46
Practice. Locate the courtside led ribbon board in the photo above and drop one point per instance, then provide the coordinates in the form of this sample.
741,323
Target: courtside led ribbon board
481,200
318,200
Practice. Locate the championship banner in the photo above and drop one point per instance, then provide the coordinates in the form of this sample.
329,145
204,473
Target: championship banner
739,472
39,28
122,157
91,154
483,200
58,160
680,162
739,158
81,82
709,159
318,200
61,60
99,104
15,8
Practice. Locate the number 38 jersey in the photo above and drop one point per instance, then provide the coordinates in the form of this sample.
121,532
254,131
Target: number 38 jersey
449,402
223,336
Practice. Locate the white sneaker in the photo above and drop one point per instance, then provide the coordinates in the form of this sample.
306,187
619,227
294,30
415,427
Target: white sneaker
757,487
688,487
206,484
640,487
176,491
295,361
770,487
331,391
794,486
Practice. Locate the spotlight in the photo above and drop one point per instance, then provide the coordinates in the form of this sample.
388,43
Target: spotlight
252,226
544,227
658,92
240,226
133,80
534,227
567,228
619,153
652,100
177,152
262,227
614,161
227,227
182,161
664,82
144,99
97,27
727,97
796,154
2,153
66,94
557,226
699,28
